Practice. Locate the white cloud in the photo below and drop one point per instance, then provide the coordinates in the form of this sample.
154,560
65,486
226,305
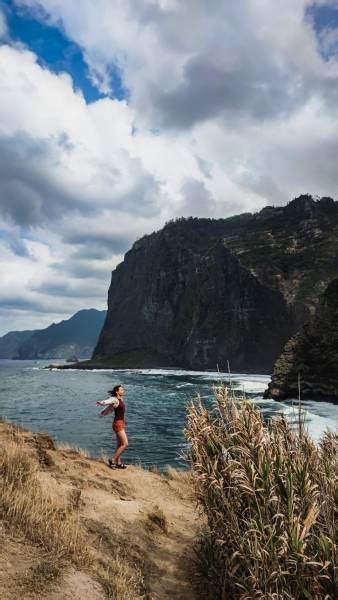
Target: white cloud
231,106
188,62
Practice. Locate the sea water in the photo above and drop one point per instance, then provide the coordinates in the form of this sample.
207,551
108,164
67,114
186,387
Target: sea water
62,403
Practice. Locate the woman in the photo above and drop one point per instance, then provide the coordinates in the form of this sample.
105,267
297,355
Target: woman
115,402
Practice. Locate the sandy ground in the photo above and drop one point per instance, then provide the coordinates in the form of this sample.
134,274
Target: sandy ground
116,509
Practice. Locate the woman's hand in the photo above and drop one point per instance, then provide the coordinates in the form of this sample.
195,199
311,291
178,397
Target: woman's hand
99,403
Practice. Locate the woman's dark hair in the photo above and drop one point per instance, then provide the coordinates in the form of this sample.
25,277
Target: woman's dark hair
114,390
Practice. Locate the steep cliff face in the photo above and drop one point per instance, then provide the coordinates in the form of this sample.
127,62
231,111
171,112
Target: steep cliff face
201,292
190,309
313,353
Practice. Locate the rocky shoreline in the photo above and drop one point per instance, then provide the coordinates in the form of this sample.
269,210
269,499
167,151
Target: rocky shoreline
312,354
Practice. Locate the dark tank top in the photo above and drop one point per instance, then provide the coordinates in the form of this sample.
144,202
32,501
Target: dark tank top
119,411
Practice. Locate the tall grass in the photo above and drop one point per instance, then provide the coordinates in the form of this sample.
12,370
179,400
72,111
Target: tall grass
38,513
268,495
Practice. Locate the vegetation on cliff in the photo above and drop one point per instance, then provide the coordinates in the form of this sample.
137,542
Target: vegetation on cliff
312,354
268,494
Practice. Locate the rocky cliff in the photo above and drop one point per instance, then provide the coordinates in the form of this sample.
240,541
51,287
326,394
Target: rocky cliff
201,291
313,354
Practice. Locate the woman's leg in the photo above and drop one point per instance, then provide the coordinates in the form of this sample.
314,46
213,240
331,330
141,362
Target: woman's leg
122,444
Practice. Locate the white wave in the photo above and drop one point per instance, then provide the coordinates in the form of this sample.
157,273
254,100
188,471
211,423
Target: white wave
171,372
239,378
186,372
251,387
181,385
81,370
313,423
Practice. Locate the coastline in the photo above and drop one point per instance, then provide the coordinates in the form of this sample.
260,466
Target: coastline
123,363
270,393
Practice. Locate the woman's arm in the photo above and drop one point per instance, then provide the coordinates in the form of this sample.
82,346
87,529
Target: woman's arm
110,404
111,401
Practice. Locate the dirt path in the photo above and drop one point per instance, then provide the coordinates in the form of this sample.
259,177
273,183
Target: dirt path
127,505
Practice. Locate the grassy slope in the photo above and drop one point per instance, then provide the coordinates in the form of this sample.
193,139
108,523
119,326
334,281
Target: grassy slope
71,528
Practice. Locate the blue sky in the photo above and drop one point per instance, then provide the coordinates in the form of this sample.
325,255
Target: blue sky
55,50
167,109
324,16
325,19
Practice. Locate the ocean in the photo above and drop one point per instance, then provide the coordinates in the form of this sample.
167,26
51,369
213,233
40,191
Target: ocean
62,403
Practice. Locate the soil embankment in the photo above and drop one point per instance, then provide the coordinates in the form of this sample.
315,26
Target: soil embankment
135,528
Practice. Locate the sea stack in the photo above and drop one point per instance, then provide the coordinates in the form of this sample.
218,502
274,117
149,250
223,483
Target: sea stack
313,354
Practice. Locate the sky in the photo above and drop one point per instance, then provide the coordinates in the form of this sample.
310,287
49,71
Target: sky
119,115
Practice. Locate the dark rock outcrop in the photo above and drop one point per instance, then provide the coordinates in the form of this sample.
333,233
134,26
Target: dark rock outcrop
313,354
201,291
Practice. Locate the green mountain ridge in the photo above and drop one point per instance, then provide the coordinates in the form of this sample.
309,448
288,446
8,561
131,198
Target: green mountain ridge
74,336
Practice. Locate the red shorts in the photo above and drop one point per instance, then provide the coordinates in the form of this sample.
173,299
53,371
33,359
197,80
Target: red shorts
118,425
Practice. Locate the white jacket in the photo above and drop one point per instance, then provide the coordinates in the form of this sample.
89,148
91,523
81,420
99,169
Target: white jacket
112,401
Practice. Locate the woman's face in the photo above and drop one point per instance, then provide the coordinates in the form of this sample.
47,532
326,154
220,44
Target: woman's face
120,391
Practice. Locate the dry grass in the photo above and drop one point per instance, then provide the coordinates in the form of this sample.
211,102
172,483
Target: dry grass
156,520
104,457
35,511
121,568
41,576
182,476
74,450
51,520
268,495
154,469
121,581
